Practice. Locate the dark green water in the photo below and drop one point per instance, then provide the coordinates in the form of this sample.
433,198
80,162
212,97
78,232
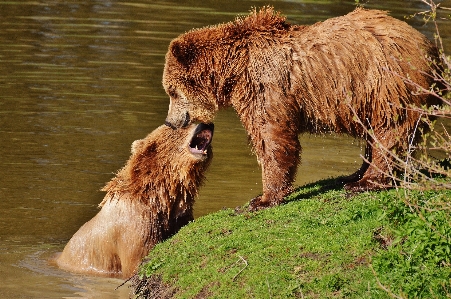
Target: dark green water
79,82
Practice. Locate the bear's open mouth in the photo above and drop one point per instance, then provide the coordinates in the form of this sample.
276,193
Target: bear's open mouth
203,134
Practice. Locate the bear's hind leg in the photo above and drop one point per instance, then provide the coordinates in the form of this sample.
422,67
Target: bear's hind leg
358,175
373,180
380,169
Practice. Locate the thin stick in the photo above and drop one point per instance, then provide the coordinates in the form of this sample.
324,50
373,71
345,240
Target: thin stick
245,266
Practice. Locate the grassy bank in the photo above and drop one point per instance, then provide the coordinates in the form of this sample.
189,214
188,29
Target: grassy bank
322,244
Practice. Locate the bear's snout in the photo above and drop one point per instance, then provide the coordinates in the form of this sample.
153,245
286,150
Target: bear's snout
183,122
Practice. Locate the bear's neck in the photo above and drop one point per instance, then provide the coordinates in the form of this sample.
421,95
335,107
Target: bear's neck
170,196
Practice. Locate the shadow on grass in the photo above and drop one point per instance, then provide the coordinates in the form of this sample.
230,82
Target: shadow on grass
307,191
314,189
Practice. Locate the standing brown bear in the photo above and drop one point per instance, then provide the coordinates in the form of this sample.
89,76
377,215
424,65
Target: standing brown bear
285,79
149,200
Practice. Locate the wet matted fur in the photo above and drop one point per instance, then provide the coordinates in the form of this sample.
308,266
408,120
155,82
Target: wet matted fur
149,200
285,79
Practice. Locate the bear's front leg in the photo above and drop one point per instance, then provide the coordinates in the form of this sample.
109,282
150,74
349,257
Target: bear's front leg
277,149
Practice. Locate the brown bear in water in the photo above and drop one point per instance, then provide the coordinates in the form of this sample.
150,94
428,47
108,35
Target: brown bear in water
149,200
285,79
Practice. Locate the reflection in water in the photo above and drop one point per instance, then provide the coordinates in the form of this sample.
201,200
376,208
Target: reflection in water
79,82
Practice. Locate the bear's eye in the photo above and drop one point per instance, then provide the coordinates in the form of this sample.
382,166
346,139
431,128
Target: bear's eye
192,82
173,93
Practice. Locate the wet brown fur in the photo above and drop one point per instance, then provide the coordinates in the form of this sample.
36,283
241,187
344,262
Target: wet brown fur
149,200
285,79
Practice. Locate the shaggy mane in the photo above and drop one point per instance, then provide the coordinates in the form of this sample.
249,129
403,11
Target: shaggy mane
266,19
263,20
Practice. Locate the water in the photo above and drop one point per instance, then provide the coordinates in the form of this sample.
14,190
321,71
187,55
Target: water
79,82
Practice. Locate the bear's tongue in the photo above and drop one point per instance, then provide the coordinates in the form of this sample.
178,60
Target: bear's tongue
201,139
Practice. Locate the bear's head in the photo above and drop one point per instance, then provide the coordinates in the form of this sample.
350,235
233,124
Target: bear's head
206,68
192,97
167,165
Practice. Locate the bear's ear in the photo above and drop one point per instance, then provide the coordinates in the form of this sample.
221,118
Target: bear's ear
137,145
185,52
